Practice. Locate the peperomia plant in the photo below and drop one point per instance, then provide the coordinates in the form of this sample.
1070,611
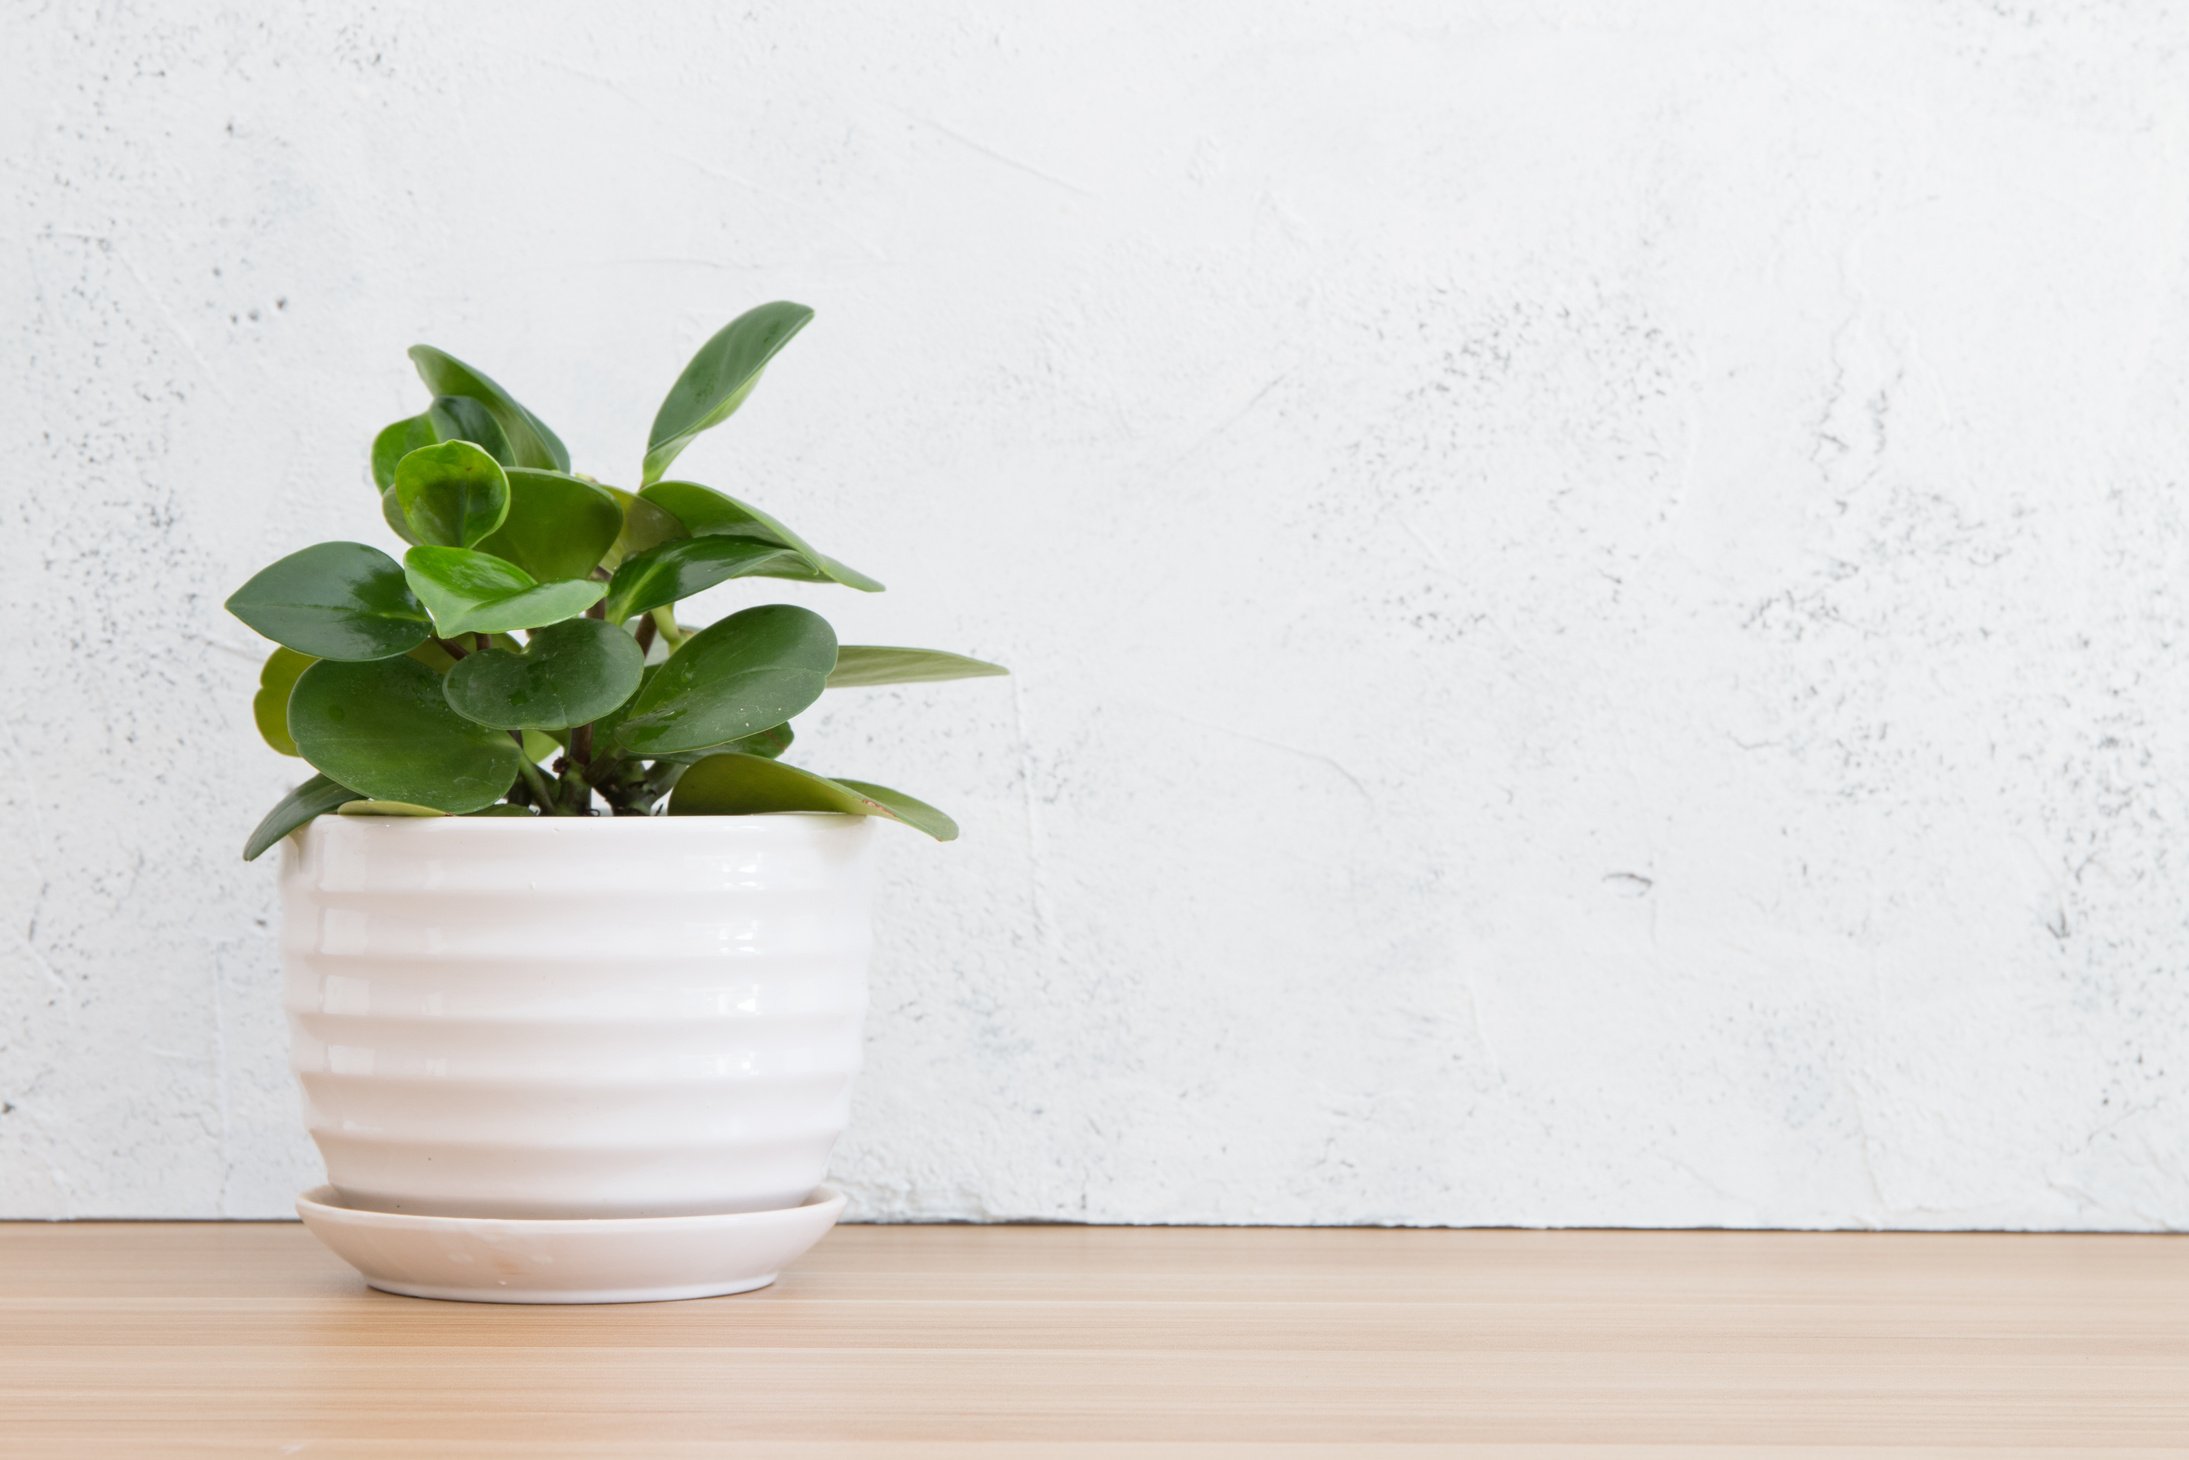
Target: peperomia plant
407,685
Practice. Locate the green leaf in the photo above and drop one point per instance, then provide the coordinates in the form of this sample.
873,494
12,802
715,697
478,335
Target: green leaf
644,525
557,527
748,673
719,378
457,418
859,665
476,593
316,797
385,730
386,808
452,495
705,512
530,442
605,726
743,785
270,706
537,747
396,442
572,673
768,743
336,600
898,806
679,569
391,512
771,743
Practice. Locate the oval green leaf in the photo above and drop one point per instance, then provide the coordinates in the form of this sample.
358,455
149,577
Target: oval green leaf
458,418
679,569
395,442
335,600
316,797
476,593
572,673
537,747
385,730
860,665
748,673
705,512
452,494
270,706
719,378
745,785
557,527
530,442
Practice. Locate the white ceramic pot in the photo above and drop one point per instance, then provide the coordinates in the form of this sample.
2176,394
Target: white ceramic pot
582,1017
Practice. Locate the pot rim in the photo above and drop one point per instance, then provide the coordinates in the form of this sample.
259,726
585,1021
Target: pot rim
760,823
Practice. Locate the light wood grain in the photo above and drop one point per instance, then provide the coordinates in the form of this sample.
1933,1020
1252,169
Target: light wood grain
1069,1343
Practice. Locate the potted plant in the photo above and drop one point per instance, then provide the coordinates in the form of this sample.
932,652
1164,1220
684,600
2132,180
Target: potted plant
575,961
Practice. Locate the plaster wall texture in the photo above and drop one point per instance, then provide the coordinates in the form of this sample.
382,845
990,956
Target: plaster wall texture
1596,590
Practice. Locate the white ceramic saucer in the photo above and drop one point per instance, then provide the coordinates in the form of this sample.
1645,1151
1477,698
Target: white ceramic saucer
613,1260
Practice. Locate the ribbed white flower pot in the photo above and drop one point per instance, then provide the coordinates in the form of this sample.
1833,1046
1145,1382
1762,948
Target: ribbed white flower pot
576,1018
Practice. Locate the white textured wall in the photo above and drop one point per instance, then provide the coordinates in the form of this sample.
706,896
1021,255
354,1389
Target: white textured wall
1598,589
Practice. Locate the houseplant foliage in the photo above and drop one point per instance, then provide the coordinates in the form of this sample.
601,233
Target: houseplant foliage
525,657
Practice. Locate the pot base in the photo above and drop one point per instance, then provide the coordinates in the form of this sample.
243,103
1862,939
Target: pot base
612,1260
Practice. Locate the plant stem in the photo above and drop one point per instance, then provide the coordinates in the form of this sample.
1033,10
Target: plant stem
658,782
581,750
645,633
451,648
577,792
481,642
533,780
665,620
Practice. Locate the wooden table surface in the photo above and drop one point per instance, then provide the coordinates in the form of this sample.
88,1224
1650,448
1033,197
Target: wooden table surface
149,1339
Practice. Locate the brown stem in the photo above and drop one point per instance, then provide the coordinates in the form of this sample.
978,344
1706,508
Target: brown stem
451,648
481,642
645,633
